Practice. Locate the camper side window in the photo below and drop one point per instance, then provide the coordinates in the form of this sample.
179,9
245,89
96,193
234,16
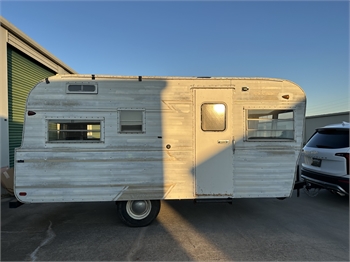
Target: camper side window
213,117
265,124
74,131
131,121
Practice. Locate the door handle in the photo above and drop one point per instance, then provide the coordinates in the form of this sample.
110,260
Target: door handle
222,141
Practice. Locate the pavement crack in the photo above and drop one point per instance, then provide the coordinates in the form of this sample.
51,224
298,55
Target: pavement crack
50,235
137,245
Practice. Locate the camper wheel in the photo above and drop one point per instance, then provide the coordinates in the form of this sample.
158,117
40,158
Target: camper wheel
138,213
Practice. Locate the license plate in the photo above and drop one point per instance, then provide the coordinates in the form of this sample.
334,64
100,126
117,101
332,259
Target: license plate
316,162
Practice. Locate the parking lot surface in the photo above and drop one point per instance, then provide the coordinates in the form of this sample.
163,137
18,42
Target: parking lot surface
294,229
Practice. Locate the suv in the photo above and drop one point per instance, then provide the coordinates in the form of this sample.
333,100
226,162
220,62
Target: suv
326,159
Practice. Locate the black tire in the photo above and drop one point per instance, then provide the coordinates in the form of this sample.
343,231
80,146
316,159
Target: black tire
138,213
281,198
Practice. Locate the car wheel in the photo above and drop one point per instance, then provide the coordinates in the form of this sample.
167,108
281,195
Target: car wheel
138,213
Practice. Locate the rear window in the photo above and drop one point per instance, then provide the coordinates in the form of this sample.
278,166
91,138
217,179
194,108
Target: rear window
329,138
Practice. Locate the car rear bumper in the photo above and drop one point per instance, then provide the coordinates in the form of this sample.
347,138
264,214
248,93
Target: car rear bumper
338,184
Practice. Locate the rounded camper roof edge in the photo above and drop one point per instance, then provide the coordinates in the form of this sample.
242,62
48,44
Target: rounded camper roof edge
87,77
92,76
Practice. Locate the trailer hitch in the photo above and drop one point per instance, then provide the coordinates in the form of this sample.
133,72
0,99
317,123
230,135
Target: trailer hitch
311,190
298,184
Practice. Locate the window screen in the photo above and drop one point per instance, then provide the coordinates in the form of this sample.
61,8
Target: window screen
213,117
131,121
270,124
74,130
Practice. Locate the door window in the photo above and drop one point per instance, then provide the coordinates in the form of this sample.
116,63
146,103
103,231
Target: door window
213,117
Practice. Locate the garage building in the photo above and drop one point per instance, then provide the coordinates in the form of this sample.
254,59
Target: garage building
23,64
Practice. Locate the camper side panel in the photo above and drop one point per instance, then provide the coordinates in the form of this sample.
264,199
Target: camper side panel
264,166
129,139
150,163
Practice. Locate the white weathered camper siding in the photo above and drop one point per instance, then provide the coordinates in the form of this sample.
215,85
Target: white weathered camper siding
139,166
125,166
262,168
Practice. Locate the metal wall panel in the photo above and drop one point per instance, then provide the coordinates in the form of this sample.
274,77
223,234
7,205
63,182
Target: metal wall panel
23,74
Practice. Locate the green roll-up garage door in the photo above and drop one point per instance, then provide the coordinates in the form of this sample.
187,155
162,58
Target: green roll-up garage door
23,74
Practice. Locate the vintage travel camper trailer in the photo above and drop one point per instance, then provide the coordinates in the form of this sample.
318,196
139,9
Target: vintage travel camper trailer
138,140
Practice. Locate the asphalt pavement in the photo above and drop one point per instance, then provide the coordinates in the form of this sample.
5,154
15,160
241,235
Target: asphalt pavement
294,229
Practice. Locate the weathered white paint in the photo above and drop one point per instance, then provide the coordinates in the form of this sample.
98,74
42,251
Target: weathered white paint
173,158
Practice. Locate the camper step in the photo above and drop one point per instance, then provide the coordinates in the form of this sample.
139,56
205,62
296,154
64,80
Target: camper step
214,200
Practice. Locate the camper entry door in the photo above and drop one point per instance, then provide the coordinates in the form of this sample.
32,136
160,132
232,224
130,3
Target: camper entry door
214,147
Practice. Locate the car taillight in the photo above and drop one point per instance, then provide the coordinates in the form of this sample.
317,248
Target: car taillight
346,155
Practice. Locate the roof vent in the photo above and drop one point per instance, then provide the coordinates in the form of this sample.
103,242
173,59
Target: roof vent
81,88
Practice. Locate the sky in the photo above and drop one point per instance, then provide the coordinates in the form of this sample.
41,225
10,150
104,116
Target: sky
306,42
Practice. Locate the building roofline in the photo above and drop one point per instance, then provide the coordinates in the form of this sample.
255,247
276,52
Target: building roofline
26,39
331,114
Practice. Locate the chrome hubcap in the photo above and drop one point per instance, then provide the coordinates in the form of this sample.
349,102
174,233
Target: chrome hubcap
138,209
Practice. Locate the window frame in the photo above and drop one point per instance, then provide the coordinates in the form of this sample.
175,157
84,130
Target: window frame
82,91
225,116
75,120
143,119
249,138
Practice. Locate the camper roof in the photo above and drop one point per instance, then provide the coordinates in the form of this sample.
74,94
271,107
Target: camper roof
93,76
